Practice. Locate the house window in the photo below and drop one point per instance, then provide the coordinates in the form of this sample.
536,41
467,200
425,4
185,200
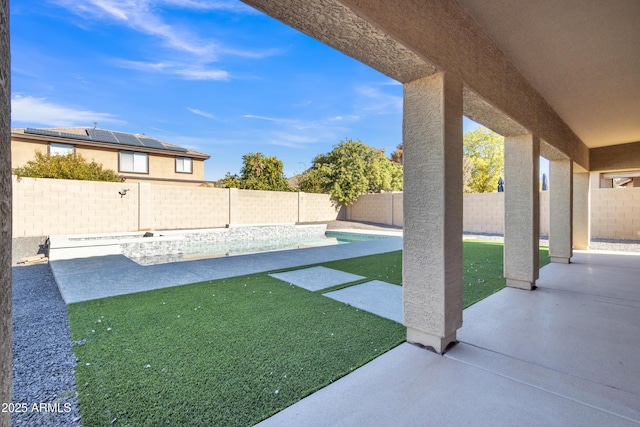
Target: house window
134,162
61,149
184,165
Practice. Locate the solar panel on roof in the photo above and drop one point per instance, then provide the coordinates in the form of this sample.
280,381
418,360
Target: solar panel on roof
47,132
127,138
154,143
100,135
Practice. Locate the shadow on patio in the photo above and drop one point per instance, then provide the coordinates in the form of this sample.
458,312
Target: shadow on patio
565,354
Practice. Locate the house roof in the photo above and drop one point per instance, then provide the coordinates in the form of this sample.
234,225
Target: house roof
105,138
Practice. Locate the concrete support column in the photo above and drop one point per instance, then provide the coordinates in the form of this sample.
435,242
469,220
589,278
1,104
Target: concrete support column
581,211
432,204
561,211
5,214
521,210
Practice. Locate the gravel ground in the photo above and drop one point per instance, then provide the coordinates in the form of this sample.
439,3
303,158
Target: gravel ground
615,245
43,362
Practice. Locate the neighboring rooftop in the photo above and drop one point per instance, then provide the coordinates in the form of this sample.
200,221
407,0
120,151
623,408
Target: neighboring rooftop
91,136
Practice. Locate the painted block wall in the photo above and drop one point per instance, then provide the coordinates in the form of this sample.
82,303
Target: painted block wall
615,213
43,207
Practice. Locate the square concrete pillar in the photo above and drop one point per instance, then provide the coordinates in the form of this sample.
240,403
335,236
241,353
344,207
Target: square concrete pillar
581,211
561,211
521,210
432,203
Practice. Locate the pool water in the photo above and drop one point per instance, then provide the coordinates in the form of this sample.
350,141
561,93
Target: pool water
219,250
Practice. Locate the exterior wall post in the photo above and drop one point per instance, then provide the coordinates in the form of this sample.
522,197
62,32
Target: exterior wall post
5,214
521,211
233,206
581,211
145,207
561,211
432,205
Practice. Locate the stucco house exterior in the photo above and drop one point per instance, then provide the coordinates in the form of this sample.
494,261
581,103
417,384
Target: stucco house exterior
138,158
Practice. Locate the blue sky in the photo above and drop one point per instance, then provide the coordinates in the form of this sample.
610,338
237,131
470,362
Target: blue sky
213,76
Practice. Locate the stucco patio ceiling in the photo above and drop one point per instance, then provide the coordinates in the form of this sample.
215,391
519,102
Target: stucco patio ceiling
583,56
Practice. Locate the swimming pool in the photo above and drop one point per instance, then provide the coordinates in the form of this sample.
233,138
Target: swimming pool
163,246
225,249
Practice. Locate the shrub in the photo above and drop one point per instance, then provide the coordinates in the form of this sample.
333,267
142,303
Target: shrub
66,167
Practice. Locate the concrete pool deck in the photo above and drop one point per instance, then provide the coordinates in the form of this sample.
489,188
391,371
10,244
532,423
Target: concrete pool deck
84,279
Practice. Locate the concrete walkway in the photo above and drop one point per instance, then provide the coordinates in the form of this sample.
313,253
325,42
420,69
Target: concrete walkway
86,279
567,354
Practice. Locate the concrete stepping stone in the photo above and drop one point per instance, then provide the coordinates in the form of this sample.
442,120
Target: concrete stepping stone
377,297
316,278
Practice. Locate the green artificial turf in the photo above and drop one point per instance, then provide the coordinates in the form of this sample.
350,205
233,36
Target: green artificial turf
235,351
222,353
482,268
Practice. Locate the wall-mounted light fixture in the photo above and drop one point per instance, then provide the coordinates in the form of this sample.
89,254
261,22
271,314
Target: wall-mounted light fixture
123,192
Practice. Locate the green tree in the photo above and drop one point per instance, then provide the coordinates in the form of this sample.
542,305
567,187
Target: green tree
349,170
485,150
66,167
258,173
467,168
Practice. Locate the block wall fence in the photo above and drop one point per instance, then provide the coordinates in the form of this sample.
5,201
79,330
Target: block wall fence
43,207
615,213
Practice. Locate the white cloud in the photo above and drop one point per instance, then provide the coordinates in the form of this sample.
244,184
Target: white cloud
297,133
271,119
204,114
142,16
374,101
195,74
185,71
28,109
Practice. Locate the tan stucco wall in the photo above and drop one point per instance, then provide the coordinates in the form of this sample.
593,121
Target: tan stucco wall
22,152
160,167
51,206
616,157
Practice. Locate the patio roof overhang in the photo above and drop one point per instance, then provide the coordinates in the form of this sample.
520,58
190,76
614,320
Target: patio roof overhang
564,70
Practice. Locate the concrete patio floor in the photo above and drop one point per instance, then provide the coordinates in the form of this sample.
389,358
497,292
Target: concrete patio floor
566,354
